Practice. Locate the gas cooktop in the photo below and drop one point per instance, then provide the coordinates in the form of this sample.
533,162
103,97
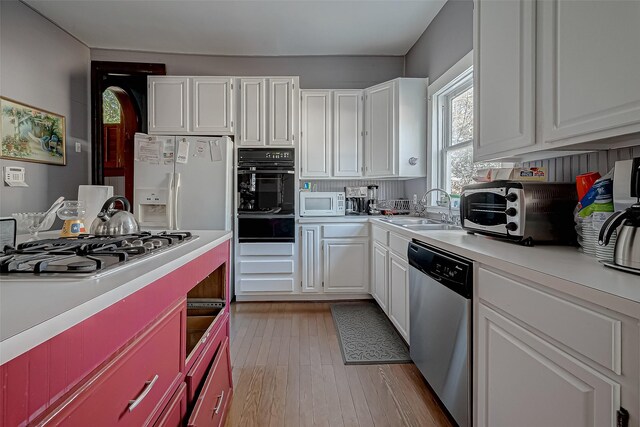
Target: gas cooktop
84,256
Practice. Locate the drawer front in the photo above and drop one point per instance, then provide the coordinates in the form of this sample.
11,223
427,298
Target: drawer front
345,230
266,249
399,245
590,333
212,403
212,341
176,410
275,266
284,284
129,389
380,235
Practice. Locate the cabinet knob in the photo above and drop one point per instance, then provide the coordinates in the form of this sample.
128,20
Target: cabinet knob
413,161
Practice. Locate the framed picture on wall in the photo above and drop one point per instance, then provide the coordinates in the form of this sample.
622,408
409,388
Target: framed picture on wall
30,134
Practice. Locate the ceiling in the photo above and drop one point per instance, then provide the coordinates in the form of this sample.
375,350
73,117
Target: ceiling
241,27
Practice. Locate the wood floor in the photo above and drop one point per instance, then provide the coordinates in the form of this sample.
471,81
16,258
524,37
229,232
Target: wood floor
288,371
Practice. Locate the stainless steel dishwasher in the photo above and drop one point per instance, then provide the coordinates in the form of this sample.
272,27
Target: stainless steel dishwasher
440,288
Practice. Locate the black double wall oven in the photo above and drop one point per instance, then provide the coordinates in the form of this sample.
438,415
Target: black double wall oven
266,195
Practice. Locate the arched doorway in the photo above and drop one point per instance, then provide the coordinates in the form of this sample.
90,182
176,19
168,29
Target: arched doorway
127,82
120,121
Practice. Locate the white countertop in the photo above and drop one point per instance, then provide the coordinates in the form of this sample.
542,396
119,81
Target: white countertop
33,311
564,263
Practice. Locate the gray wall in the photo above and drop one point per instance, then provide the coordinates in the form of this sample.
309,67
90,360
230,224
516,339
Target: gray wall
45,67
448,38
316,72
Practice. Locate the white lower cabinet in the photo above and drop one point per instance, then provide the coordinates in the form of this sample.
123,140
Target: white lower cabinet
547,358
399,293
380,279
265,268
334,258
310,260
346,265
524,380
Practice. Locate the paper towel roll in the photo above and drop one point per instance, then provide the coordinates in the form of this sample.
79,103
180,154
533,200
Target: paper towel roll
94,197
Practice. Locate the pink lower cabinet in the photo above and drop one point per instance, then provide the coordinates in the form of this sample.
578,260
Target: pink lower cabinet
132,388
176,409
211,406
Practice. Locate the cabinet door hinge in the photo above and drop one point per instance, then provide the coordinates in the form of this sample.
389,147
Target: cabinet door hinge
323,284
622,418
231,123
293,137
231,86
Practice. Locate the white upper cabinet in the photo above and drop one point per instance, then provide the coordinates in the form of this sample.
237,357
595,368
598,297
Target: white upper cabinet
504,77
168,100
212,105
268,111
378,132
348,133
190,105
315,133
589,57
253,106
550,74
395,124
281,111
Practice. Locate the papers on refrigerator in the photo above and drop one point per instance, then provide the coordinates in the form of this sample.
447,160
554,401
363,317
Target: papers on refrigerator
216,151
201,149
147,149
183,151
168,148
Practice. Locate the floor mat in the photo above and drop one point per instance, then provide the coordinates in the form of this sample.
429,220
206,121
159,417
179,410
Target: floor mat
366,335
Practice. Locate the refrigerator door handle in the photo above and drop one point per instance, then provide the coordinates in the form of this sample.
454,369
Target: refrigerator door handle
176,185
170,203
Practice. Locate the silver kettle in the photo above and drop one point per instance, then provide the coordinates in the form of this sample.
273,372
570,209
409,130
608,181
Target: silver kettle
115,222
627,222
627,250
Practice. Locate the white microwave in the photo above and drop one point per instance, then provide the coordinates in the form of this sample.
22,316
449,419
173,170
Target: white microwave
322,203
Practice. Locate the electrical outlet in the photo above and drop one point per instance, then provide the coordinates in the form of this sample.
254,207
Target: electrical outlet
78,147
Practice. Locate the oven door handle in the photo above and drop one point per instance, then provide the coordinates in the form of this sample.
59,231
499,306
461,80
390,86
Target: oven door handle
250,172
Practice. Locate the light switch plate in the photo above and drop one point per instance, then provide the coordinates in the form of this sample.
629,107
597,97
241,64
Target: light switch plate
78,147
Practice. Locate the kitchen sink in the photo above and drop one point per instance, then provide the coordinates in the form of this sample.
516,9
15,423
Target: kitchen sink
410,221
430,226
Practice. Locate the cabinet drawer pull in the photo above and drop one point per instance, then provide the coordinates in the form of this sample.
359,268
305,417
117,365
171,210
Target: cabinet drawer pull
218,405
148,386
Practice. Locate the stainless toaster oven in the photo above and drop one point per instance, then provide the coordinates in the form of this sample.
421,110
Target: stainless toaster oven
525,212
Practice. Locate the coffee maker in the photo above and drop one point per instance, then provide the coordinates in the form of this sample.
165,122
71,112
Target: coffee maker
372,200
355,200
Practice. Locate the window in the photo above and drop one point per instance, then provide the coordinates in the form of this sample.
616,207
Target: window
111,112
451,138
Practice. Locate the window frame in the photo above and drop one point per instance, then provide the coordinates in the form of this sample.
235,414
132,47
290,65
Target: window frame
460,73
444,98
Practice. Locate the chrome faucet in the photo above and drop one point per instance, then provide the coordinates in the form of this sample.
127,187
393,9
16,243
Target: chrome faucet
449,217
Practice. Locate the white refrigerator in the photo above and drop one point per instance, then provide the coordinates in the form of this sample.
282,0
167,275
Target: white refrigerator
183,182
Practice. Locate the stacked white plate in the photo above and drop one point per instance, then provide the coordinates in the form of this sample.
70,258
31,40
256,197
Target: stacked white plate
589,237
